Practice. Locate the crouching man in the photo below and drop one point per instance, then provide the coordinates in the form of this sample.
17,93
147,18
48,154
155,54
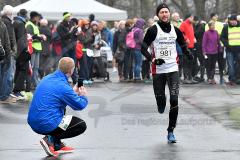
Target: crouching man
47,111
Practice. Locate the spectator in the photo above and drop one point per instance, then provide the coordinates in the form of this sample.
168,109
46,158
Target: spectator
211,47
5,64
99,65
66,32
33,29
23,58
129,55
221,60
86,62
145,62
231,39
7,14
188,32
119,48
176,21
138,37
115,27
56,46
107,36
199,28
45,64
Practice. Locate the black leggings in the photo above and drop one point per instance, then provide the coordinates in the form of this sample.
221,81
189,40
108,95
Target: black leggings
76,127
159,83
211,65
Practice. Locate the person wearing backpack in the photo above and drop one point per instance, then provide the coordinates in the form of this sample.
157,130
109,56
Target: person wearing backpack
138,34
129,54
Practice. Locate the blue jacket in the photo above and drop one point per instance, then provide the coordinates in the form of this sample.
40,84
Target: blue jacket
50,99
107,36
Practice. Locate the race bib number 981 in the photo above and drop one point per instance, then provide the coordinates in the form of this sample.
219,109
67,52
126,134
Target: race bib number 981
164,54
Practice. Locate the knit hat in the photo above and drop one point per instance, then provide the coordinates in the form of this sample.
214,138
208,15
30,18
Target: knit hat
161,6
188,15
66,15
232,17
94,23
34,14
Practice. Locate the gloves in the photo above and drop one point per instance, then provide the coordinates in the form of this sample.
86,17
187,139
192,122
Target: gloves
158,61
189,55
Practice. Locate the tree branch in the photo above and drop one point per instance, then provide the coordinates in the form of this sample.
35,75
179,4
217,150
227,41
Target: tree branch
175,2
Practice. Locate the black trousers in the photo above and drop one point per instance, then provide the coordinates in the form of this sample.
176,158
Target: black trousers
198,57
120,68
187,67
128,64
211,65
83,69
159,83
76,127
21,76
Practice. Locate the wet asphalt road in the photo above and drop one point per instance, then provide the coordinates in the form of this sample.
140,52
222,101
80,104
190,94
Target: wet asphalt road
123,124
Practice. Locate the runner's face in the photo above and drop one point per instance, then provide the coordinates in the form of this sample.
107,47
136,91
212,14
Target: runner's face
164,15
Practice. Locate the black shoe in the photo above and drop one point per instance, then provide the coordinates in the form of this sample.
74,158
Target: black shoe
197,79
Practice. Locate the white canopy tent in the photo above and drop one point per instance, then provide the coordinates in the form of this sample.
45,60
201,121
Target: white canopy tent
53,9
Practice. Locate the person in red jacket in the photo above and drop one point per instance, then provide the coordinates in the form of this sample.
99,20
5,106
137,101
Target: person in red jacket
188,33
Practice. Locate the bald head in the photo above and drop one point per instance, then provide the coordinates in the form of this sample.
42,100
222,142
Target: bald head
66,65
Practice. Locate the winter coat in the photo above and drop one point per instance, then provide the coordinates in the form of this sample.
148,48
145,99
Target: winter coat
22,44
10,28
139,33
188,32
20,34
107,36
211,42
46,44
5,42
224,39
66,36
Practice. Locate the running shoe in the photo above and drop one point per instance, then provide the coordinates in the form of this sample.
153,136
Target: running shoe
62,148
90,82
48,145
171,138
85,82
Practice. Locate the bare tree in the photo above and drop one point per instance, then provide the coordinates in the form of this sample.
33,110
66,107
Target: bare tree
146,8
